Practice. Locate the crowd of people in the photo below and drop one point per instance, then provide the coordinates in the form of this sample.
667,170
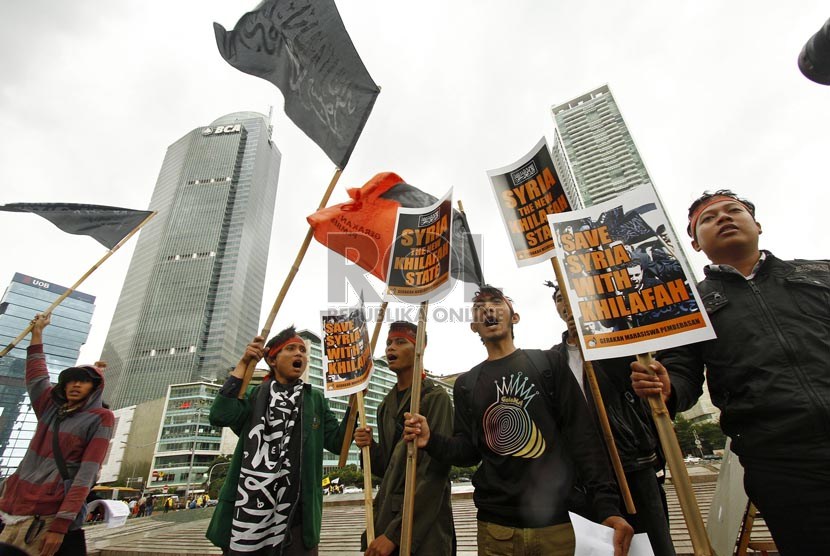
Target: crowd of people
524,417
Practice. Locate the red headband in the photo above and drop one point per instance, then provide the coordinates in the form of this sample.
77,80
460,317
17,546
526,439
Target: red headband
404,333
276,349
706,204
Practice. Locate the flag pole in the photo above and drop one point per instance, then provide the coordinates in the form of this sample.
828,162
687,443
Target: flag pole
367,474
605,426
353,409
266,328
411,447
679,475
476,262
357,407
75,286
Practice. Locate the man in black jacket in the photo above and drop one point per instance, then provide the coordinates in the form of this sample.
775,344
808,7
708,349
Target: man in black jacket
768,370
520,414
634,435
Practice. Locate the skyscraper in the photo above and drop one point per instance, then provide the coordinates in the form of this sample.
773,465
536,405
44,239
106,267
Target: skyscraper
593,149
62,341
192,296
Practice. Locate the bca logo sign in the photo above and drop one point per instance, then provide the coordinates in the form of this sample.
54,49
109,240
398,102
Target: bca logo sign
220,129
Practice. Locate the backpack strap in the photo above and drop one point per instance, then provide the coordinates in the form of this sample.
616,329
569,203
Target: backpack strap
56,449
540,362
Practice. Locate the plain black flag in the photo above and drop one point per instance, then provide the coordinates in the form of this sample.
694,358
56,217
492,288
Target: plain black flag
107,225
302,47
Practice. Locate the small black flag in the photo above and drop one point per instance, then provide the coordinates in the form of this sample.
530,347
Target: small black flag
107,225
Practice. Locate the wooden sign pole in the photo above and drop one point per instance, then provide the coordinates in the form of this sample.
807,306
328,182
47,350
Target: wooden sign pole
411,448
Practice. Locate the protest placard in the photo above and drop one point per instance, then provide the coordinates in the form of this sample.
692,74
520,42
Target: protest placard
527,191
347,356
419,268
628,292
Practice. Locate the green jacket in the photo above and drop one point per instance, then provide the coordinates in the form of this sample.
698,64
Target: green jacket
432,530
320,430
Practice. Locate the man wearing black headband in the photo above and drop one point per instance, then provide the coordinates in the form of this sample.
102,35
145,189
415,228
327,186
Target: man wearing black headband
272,499
44,499
432,531
521,414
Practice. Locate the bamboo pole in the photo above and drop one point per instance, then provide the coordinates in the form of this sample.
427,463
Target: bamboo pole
411,447
605,426
75,286
367,476
473,250
679,475
266,328
353,410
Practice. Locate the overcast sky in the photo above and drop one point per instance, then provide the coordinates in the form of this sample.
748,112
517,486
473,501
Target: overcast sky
93,92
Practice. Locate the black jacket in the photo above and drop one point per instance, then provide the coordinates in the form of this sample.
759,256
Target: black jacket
628,415
769,368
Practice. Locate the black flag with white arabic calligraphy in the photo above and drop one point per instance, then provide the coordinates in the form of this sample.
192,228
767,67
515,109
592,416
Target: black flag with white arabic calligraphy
302,47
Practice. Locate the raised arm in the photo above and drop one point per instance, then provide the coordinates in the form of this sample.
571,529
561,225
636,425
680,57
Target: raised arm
227,410
37,374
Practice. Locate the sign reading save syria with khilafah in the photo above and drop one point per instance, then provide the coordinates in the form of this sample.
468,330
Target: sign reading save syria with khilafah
629,292
347,355
419,268
527,191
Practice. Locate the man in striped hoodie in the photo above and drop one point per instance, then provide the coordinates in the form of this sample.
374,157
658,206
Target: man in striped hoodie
38,507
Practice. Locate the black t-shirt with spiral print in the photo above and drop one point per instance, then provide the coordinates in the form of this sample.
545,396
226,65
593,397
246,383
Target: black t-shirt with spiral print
536,440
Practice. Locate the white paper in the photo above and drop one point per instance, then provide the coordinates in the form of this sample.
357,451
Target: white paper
115,511
593,539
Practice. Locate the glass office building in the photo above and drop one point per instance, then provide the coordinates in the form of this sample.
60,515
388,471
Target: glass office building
187,442
62,340
593,150
192,296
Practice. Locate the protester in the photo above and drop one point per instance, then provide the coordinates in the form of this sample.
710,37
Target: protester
432,530
272,499
633,431
521,414
44,499
768,370
168,504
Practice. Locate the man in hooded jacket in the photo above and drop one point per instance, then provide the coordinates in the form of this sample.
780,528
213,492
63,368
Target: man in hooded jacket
44,499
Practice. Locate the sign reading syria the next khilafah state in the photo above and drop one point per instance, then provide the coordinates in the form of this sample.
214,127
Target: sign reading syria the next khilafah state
527,191
419,268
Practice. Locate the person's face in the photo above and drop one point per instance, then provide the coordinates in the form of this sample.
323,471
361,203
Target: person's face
78,390
492,319
290,362
635,274
724,227
400,353
564,313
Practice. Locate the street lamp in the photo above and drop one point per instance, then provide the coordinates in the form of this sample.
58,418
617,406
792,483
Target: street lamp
193,452
135,463
212,467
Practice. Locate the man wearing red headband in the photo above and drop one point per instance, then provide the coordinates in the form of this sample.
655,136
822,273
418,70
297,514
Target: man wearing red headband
768,370
272,499
521,415
432,531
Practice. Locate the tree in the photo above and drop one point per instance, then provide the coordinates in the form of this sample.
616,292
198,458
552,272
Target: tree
217,470
685,436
